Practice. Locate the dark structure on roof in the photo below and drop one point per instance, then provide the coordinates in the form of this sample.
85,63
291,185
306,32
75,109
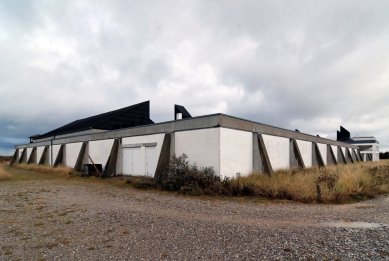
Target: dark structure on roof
181,109
343,134
131,116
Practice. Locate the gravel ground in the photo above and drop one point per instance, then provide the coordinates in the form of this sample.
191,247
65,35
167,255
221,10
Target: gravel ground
81,220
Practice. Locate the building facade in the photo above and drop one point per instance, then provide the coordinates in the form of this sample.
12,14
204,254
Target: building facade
232,146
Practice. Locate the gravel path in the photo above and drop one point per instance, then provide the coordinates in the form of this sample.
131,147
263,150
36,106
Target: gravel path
81,220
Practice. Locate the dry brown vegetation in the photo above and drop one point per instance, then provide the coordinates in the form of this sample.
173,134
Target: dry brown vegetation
5,159
338,184
61,170
4,175
342,183
36,172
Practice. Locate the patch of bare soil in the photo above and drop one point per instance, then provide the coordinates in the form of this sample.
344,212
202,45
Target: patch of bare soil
84,219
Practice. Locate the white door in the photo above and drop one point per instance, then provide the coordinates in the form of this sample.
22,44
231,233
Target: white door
131,161
151,162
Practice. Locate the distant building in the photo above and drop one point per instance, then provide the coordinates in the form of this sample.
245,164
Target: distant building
368,145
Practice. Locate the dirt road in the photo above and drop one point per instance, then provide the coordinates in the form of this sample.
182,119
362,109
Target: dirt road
77,219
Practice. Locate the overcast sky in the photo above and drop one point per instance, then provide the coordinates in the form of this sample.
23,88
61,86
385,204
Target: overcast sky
310,65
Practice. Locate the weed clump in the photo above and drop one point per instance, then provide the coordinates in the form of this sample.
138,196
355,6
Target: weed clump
192,180
61,170
141,182
4,175
184,178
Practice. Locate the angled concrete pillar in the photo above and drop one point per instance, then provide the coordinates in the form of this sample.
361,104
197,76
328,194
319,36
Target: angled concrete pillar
59,159
164,159
119,161
331,159
110,166
23,157
296,160
261,161
32,158
348,156
81,156
341,157
360,156
15,158
172,143
355,156
44,160
317,159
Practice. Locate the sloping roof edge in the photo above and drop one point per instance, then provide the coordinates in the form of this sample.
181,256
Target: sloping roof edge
94,121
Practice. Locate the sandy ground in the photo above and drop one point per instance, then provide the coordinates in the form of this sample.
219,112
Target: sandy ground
78,219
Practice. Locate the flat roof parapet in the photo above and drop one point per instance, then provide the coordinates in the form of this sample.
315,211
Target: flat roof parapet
194,123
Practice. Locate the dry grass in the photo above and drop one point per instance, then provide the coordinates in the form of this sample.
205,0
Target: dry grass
338,184
5,159
59,170
4,175
37,172
341,183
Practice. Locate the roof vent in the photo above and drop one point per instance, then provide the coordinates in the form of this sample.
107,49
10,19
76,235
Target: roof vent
180,112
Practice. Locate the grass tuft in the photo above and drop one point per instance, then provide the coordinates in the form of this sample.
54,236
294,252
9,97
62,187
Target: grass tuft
4,175
59,170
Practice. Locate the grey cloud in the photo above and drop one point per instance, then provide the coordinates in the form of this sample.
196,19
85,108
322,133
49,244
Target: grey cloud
312,64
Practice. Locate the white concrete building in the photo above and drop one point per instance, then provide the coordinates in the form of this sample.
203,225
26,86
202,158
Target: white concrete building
127,142
368,146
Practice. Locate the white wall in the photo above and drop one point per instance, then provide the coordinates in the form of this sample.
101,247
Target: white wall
278,151
29,150
236,152
156,138
344,152
335,151
355,153
350,151
376,152
99,151
72,151
201,146
55,153
39,151
306,152
323,152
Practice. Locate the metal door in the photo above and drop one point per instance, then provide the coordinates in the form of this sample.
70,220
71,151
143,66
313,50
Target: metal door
131,161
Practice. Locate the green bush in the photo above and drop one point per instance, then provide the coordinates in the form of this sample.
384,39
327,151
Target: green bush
189,179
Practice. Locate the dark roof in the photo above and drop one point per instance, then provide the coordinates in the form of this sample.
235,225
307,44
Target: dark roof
343,134
182,110
131,116
35,135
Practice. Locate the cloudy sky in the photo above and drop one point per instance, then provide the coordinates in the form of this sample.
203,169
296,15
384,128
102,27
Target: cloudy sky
310,65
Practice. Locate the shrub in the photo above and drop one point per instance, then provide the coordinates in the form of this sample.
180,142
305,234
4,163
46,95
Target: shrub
141,182
189,179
